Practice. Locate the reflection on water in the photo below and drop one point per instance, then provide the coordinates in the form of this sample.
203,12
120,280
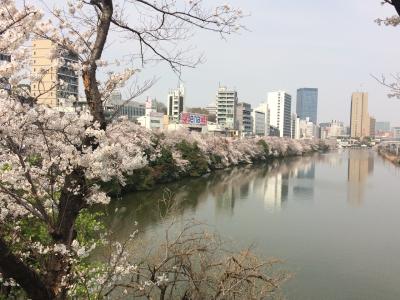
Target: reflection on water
360,166
332,217
273,183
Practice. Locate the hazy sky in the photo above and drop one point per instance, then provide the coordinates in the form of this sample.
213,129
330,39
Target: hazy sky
330,45
334,46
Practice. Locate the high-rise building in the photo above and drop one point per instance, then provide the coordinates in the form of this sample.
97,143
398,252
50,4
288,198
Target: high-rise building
258,118
227,101
359,117
176,103
295,127
382,126
263,107
243,117
280,105
48,88
372,124
307,104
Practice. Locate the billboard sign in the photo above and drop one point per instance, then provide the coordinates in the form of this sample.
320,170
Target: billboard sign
193,119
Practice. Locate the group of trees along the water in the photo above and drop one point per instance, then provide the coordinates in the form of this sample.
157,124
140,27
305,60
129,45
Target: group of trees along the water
54,166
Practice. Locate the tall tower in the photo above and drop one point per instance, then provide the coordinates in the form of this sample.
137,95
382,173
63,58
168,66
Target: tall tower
280,105
44,60
227,102
176,103
359,118
307,104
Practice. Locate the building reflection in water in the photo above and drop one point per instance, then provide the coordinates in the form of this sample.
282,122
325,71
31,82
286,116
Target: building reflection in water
360,166
273,184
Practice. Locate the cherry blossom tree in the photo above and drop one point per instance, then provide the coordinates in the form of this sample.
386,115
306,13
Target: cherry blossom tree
52,165
393,84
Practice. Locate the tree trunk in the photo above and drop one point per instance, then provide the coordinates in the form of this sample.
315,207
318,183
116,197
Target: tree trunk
28,279
396,4
90,83
69,208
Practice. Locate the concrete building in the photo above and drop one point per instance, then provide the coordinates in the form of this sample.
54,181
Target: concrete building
212,108
295,129
372,124
333,129
152,119
396,132
382,126
244,118
307,104
44,59
263,107
359,117
118,107
274,131
176,103
308,130
259,124
280,105
227,101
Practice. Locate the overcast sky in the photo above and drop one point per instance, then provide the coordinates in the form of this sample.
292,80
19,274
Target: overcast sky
330,45
334,46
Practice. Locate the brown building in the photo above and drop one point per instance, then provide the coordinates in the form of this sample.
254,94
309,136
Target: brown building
45,56
372,124
359,118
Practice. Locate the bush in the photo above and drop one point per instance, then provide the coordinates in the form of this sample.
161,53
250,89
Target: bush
198,164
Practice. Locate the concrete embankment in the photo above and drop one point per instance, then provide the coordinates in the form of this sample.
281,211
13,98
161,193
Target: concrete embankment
391,157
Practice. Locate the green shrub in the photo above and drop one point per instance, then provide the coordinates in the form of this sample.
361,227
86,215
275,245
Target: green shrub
264,146
198,164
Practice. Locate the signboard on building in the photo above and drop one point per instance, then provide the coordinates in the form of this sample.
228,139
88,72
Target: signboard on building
193,119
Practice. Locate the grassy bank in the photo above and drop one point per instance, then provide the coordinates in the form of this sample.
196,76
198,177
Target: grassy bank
180,154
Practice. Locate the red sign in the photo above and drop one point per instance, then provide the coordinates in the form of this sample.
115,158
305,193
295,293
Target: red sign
193,119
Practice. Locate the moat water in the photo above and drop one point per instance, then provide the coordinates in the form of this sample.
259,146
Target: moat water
333,218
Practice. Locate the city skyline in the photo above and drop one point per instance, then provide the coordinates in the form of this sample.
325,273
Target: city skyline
287,54
336,55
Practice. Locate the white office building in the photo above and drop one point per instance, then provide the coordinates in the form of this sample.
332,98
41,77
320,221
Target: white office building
259,125
280,105
226,101
176,103
212,108
152,119
263,107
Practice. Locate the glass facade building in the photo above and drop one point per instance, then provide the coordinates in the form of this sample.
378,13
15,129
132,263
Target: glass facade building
307,104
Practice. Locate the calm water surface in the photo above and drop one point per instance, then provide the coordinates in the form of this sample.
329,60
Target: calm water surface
334,218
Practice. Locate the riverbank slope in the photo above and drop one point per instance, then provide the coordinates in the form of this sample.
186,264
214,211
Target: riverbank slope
181,154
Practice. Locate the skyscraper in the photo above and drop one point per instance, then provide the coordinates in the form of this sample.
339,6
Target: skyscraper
243,117
307,104
359,118
47,90
176,103
280,105
263,107
372,124
227,101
